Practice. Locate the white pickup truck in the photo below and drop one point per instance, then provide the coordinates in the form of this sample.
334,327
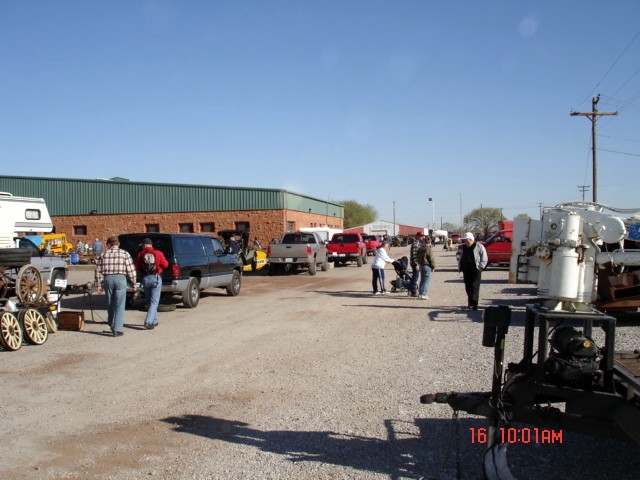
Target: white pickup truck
298,250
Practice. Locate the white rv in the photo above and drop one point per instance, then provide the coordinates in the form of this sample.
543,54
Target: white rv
22,215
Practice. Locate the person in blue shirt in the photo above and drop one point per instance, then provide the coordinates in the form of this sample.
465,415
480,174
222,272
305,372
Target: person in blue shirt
97,247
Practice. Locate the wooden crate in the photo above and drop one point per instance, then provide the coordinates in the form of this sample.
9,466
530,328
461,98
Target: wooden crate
71,320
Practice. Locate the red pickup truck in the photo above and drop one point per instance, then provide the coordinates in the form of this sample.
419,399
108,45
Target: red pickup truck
498,247
372,242
347,247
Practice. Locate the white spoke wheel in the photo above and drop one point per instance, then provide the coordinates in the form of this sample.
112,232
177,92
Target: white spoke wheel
29,285
35,326
11,333
52,324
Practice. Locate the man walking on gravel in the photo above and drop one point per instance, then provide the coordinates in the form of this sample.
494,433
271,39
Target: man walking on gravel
113,269
472,261
413,261
427,264
151,263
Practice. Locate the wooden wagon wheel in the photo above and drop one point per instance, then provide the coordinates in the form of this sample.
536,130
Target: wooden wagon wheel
35,327
29,285
52,324
10,331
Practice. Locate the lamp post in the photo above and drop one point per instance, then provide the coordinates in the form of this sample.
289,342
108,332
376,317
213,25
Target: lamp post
433,212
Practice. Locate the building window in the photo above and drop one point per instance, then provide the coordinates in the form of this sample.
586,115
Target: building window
79,230
152,228
242,227
186,227
208,227
291,226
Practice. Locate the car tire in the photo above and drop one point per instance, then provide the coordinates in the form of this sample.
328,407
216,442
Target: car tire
359,262
191,296
365,259
313,268
55,275
233,289
325,265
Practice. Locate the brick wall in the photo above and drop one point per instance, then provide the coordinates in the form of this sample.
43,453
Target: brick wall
265,224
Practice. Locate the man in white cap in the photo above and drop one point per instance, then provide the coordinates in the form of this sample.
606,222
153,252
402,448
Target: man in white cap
472,261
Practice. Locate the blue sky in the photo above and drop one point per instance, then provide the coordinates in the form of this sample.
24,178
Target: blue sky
386,103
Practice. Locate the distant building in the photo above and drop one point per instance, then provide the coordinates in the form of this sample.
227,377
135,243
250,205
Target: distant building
89,209
383,227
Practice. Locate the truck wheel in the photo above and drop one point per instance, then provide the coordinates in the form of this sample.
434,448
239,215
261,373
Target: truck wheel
359,262
55,275
233,288
325,265
365,259
313,268
191,296
336,263
129,300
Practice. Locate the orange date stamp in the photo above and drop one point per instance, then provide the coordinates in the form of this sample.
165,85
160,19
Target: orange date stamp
524,435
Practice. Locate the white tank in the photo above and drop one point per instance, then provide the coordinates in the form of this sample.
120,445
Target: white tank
565,275
562,231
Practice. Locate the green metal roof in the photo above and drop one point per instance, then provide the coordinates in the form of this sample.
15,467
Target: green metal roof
68,196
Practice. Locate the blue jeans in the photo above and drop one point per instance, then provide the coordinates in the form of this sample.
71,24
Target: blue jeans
415,270
115,287
425,279
152,285
378,279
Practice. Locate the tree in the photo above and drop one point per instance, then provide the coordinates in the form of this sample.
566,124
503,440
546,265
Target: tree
451,227
483,219
356,214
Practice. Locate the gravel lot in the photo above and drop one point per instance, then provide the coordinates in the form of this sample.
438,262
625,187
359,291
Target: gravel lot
299,377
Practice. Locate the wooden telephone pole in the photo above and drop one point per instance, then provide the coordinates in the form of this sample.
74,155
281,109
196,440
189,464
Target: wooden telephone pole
593,116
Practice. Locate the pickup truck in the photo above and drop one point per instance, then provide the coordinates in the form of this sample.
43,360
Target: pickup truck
51,267
347,247
298,250
498,247
372,242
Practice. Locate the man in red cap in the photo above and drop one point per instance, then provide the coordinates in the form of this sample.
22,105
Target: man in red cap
151,263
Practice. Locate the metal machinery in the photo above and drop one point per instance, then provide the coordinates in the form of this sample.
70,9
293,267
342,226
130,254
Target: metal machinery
582,258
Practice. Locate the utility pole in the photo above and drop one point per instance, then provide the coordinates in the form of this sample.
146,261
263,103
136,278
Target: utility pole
433,212
394,219
593,116
583,188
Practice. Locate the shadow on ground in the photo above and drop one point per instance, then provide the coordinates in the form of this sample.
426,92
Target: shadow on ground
426,449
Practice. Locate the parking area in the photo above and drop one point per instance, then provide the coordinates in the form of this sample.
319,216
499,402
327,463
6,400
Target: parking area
298,377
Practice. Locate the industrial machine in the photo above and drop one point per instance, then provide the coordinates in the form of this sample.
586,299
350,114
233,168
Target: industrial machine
586,262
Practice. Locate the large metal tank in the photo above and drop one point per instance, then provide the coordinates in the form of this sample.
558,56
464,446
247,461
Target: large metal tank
560,271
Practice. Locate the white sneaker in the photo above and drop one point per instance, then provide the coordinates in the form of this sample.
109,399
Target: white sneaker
424,297
377,293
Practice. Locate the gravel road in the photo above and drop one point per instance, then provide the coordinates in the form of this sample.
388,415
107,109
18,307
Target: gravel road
299,377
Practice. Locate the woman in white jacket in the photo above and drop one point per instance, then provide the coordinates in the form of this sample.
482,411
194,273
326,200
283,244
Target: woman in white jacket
377,268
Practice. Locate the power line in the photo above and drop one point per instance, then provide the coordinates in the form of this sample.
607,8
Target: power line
620,153
611,67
